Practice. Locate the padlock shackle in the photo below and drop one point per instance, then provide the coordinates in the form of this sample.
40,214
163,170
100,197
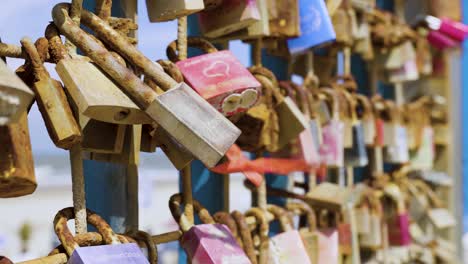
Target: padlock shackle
139,92
121,45
57,49
66,237
263,229
175,201
150,245
366,105
193,42
305,209
226,219
245,235
332,96
282,216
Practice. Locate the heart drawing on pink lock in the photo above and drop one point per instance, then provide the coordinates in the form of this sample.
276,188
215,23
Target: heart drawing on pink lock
217,69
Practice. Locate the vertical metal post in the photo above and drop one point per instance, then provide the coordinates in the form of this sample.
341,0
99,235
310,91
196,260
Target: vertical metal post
112,189
462,181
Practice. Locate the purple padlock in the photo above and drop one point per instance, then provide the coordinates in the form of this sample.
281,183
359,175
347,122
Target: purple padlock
112,252
209,243
124,253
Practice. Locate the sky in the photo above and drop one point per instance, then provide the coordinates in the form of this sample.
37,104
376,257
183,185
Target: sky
20,18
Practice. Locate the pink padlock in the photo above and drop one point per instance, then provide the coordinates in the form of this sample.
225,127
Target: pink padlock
398,230
332,148
218,76
286,247
440,41
453,29
209,243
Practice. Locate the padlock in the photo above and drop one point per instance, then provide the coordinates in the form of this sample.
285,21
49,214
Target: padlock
230,16
287,246
303,147
290,119
260,28
373,238
180,111
332,148
260,234
62,127
308,234
284,18
202,242
165,10
438,216
112,251
356,155
395,136
329,252
218,77
15,96
315,26
17,167
259,125
367,118
343,26
245,235
453,29
100,99
398,218
329,195
423,157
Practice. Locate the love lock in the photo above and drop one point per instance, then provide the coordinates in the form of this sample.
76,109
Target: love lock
218,76
187,117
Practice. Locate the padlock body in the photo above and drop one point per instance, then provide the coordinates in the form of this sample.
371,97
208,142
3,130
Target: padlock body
332,150
219,77
291,121
311,244
211,244
230,16
15,96
17,165
165,10
194,123
287,247
315,24
122,253
398,230
356,156
328,246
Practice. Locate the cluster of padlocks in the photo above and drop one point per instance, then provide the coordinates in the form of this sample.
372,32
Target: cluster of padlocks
234,119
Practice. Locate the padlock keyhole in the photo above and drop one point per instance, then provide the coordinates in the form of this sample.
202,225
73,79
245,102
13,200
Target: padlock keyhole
121,115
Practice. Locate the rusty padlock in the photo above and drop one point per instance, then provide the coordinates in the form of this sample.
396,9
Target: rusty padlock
308,234
290,118
230,16
180,111
15,96
52,102
218,76
113,250
287,246
17,165
201,242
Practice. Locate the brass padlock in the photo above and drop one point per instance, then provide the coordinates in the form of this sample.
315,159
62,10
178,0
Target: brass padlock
180,111
165,10
17,165
286,22
15,96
